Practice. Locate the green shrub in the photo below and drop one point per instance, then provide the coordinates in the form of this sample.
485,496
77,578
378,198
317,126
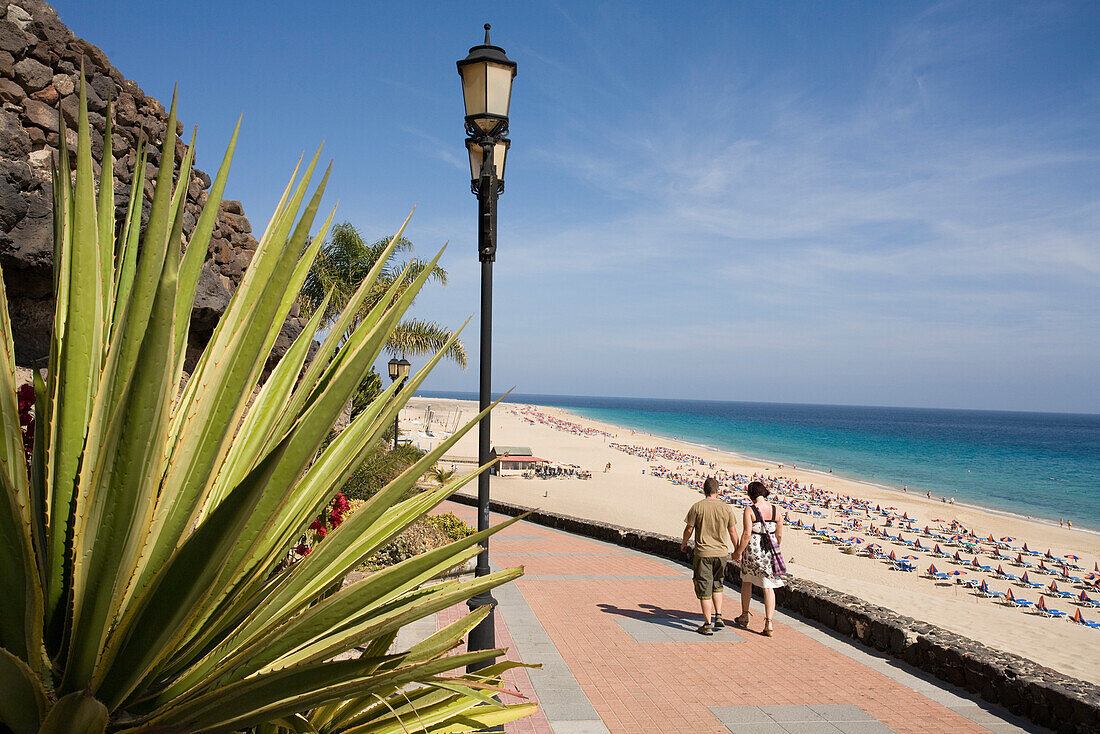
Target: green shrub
427,533
450,524
380,467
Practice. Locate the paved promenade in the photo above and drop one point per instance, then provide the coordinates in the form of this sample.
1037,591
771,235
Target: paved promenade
614,632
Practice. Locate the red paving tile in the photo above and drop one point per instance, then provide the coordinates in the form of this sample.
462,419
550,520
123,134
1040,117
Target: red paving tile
667,686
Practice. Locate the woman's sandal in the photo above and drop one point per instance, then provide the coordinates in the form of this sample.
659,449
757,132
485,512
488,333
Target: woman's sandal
742,621
767,631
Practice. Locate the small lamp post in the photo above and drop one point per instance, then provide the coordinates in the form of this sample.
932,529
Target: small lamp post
487,75
399,370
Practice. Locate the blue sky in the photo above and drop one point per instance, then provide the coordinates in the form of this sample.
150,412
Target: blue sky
860,203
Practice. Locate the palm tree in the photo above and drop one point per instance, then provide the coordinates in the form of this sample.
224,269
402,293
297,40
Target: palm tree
441,475
340,267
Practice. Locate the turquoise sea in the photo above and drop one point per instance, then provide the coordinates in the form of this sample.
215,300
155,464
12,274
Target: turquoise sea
1039,464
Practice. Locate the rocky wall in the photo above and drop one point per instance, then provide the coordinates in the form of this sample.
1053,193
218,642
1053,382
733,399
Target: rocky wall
40,62
1022,686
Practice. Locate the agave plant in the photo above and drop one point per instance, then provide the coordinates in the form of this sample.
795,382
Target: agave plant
141,545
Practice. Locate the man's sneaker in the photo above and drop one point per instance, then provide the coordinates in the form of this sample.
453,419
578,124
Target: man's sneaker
705,629
719,623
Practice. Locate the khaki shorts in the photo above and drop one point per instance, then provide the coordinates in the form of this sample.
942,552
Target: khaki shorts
708,574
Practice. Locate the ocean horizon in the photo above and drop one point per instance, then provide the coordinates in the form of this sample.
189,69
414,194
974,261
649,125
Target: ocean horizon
1044,465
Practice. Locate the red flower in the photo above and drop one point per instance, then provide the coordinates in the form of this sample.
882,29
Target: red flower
302,549
340,503
322,531
317,525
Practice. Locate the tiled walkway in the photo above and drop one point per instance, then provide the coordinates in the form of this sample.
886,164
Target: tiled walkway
614,632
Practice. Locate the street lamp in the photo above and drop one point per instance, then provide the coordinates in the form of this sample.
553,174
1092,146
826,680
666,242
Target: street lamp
399,370
487,91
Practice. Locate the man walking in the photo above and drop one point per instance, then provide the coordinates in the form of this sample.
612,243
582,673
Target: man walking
712,521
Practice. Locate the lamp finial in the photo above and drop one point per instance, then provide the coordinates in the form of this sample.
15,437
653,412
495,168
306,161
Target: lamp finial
487,26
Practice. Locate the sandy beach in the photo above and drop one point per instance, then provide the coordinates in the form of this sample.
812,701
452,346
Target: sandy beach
631,495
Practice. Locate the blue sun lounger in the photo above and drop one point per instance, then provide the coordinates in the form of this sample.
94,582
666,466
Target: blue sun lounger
1080,619
1042,608
1031,584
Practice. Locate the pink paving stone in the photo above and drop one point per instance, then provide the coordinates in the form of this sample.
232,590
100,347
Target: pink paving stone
667,687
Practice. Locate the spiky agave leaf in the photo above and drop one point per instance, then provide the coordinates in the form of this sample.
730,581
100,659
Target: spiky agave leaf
143,542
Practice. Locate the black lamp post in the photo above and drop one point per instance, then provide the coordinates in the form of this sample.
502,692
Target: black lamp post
399,370
486,89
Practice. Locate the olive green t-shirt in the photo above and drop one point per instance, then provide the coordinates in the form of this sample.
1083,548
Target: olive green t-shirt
710,516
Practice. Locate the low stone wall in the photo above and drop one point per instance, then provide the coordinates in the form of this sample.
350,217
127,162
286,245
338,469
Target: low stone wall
1024,687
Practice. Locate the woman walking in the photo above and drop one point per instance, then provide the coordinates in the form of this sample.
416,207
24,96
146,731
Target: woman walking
754,554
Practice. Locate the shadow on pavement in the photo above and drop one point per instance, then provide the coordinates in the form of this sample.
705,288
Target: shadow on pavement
672,618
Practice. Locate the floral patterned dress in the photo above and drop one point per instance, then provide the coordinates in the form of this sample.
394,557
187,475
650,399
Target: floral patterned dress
756,561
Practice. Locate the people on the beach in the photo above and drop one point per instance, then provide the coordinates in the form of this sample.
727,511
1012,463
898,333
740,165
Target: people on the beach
711,521
761,523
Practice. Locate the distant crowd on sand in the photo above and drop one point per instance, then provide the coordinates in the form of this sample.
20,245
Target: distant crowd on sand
534,416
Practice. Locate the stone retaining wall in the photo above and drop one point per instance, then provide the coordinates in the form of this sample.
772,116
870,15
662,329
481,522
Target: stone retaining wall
40,62
1024,687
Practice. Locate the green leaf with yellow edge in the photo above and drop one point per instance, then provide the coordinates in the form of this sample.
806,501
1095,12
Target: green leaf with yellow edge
146,636
222,391
81,360
23,703
295,689
118,501
76,713
197,247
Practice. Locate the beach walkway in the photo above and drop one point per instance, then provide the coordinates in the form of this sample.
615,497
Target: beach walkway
614,632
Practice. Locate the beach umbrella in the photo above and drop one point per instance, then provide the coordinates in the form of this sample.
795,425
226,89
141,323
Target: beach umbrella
1053,586
1007,539
1009,596
956,572
909,558
893,556
1072,557
1048,554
